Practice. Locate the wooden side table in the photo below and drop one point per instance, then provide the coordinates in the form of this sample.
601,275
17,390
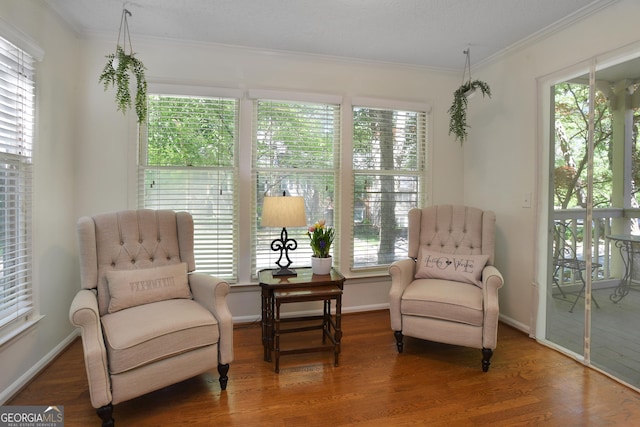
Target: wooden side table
306,286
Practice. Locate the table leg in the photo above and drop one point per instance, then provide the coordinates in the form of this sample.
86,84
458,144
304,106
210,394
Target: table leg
338,331
263,325
267,324
277,337
626,253
326,320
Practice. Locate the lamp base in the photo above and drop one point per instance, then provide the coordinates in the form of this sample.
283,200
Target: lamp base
283,271
284,244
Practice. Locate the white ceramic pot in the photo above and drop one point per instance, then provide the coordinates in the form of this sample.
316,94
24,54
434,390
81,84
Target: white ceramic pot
321,266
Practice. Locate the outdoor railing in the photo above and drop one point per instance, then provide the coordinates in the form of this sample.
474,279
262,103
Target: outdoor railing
604,222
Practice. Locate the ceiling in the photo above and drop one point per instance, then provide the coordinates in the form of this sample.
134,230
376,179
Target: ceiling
426,33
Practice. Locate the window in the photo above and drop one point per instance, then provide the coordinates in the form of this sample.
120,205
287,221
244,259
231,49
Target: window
17,109
388,171
295,152
188,162
218,157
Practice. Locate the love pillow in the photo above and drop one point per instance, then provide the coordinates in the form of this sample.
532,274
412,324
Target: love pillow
129,288
455,267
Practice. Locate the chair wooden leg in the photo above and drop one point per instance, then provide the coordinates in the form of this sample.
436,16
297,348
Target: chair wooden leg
486,357
223,370
106,415
399,343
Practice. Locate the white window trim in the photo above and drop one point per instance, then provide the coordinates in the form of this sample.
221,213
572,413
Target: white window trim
21,39
390,104
424,190
138,134
19,328
31,317
280,95
246,184
303,98
193,90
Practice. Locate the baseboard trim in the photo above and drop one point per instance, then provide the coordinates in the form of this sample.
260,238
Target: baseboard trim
30,374
371,307
515,324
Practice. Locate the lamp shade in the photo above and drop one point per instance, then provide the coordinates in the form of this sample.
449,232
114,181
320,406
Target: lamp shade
283,211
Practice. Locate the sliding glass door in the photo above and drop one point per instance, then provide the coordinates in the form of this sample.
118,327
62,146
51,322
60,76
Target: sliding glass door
592,305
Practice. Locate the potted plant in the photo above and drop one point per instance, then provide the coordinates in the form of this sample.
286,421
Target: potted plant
118,70
321,237
458,110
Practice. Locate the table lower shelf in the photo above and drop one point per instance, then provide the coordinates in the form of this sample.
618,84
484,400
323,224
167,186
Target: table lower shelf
327,323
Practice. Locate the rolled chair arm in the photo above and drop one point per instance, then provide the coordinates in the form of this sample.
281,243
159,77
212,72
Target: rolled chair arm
85,315
402,273
212,293
491,281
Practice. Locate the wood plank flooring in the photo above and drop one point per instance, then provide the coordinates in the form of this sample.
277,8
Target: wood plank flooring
429,384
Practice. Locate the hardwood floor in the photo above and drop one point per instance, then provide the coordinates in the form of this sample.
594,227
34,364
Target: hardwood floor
429,384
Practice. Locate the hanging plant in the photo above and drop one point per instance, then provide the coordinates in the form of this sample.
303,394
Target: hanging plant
458,110
118,70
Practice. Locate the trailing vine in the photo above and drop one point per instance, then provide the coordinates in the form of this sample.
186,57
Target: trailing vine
119,76
458,110
118,70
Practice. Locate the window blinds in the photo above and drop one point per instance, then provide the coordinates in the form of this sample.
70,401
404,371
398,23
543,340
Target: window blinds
17,109
188,162
296,152
388,173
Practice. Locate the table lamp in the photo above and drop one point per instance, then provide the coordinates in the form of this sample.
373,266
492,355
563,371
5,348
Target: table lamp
284,211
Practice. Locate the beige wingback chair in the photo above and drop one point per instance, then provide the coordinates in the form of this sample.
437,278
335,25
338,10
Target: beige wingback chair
146,319
447,291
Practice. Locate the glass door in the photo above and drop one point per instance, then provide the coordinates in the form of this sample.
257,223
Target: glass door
615,347
592,305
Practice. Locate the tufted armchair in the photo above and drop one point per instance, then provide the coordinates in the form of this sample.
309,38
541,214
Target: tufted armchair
147,320
448,290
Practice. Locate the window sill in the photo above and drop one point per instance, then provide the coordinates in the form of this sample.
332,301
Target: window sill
19,329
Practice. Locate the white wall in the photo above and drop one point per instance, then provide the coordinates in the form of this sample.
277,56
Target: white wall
499,157
55,269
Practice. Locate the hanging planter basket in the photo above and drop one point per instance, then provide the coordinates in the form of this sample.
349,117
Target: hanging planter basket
458,110
118,70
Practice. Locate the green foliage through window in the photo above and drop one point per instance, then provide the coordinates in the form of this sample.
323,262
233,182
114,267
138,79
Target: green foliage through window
571,128
388,167
191,131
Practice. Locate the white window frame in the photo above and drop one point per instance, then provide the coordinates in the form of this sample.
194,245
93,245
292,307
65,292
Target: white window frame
423,173
205,92
344,185
22,313
303,98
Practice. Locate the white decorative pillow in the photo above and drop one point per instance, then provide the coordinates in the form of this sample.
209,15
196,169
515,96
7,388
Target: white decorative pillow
129,288
456,267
